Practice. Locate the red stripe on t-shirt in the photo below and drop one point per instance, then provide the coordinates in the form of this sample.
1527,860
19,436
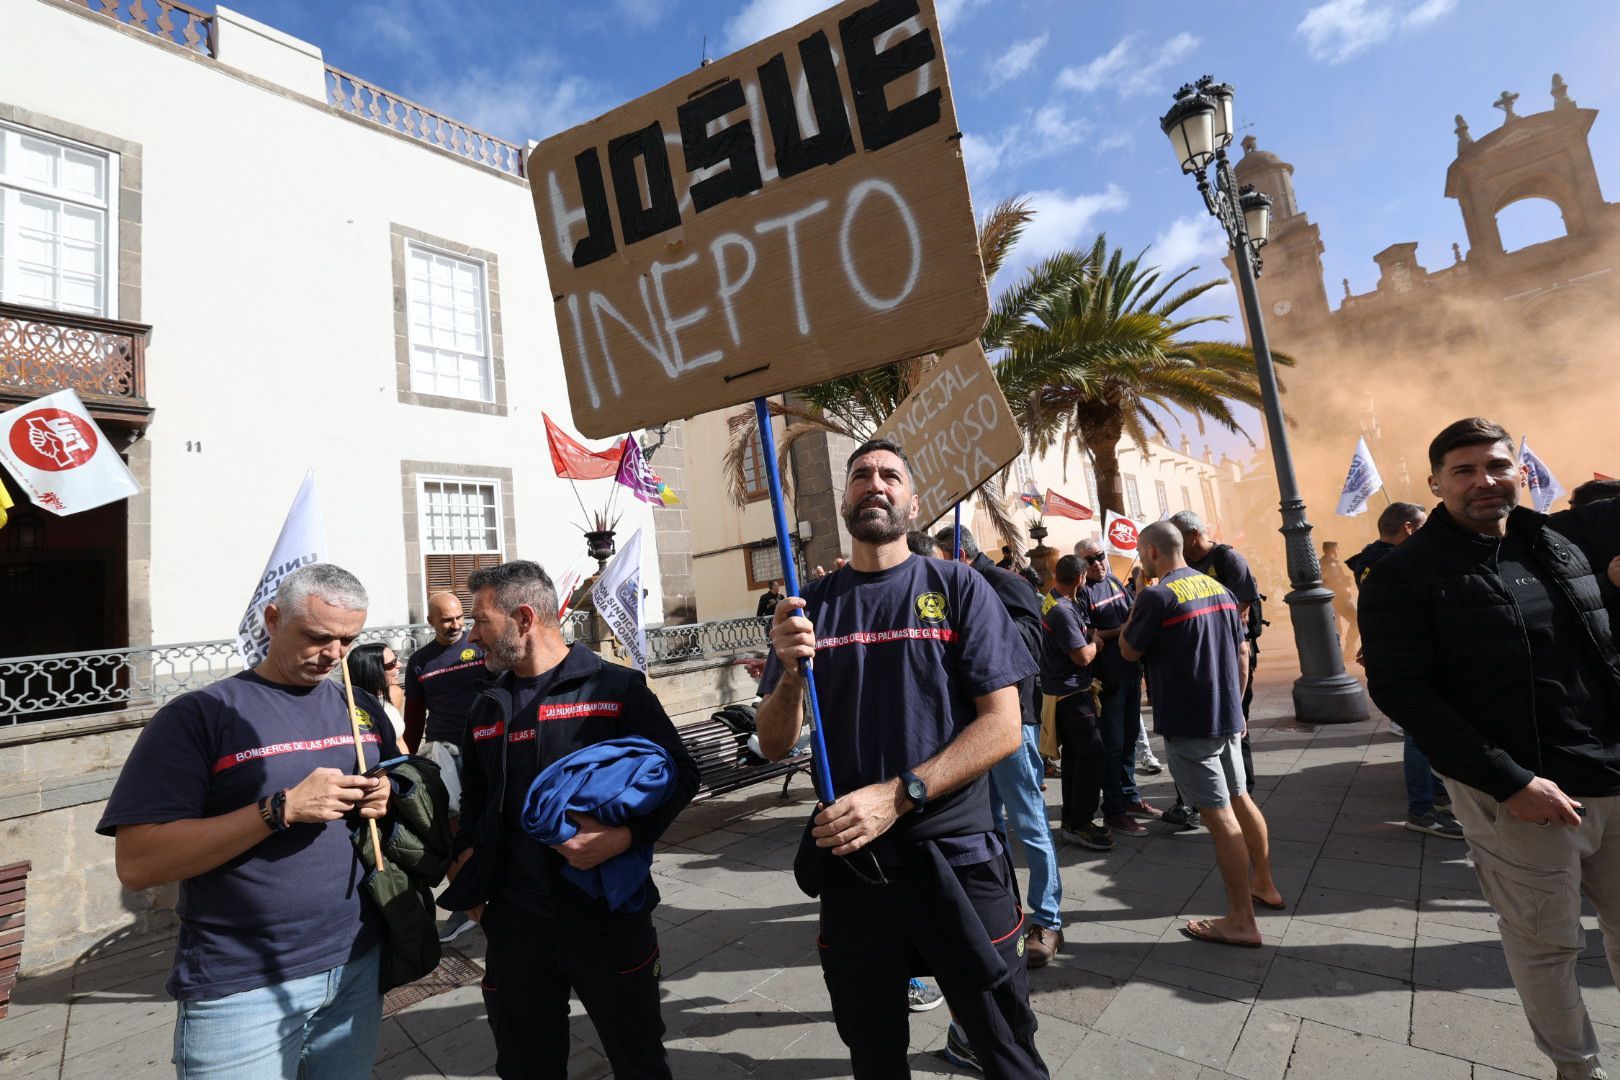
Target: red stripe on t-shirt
491,731
436,672
880,637
570,710
1226,605
296,747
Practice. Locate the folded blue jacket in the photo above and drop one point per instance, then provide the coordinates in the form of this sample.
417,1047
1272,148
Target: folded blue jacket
611,781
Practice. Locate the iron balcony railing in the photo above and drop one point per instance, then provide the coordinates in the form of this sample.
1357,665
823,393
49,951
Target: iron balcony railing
61,685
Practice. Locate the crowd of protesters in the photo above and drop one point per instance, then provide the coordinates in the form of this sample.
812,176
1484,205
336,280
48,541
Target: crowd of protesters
946,686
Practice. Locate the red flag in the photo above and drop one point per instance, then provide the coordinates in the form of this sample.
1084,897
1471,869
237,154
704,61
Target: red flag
574,461
1600,476
1058,506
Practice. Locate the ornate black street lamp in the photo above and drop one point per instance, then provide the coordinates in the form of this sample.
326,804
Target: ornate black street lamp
1199,126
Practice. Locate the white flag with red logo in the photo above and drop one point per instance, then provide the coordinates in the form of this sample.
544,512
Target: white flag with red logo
61,458
1119,534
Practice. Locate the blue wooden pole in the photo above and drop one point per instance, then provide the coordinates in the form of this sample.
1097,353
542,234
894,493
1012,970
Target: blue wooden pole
956,537
822,770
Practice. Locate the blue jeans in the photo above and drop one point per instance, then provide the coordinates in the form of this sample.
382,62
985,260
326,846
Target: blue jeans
1422,786
319,1027
1015,783
1120,722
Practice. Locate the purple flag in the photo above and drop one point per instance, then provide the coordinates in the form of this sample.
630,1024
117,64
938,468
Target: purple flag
634,474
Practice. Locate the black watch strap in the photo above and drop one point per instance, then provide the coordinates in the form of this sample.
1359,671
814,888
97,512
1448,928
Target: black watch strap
915,790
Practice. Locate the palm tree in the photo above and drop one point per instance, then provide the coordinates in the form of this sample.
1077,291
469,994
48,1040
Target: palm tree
1103,356
856,405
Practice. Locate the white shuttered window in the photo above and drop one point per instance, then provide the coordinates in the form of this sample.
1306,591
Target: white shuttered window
58,223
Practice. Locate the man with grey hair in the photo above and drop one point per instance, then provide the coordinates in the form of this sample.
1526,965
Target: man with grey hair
1015,781
1186,629
240,792
1107,604
547,935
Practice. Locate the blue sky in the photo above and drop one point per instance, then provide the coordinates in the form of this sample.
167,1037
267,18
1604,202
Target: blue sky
1060,99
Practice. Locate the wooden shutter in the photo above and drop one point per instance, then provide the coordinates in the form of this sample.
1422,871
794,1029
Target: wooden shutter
450,573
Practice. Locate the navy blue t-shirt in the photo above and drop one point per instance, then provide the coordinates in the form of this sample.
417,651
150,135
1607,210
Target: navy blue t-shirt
1107,605
900,655
1187,629
448,678
1063,630
290,905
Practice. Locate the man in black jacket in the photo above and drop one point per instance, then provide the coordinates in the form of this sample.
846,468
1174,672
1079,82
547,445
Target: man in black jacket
1015,782
1487,640
546,935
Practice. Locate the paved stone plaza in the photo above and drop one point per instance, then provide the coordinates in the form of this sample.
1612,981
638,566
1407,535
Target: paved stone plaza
1386,963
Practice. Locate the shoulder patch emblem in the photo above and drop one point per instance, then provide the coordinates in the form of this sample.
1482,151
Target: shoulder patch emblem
469,654
1020,945
931,606
363,718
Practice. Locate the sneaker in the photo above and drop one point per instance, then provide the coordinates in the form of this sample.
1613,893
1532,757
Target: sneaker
1040,945
920,997
1090,835
1182,817
1125,825
1581,1070
457,925
1140,808
957,1050
1151,766
1051,769
1438,823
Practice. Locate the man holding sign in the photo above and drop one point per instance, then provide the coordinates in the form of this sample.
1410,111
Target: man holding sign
917,665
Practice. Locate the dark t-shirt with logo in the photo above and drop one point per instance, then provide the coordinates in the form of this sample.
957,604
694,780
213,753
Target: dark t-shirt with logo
1188,631
289,906
447,677
900,655
1107,605
1063,630
1572,708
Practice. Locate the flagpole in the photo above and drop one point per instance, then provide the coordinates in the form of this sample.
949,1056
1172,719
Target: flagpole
790,577
956,538
360,758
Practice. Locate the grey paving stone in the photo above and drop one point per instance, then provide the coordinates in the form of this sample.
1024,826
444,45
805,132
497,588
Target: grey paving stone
1263,1049
1205,982
1343,947
1247,965
1105,1057
1071,993
407,1066
749,1031
27,1023
40,1053
102,1018
142,1056
1370,1004
392,1040
1139,912
1486,1032
1322,1052
1180,1022
1379,850
1394,882
800,988
724,976
443,1012
1358,911
1103,948
467,1049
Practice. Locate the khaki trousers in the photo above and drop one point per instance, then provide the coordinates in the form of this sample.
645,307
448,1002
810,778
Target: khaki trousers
1534,877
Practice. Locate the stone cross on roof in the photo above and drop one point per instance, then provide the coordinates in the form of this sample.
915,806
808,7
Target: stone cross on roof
1505,103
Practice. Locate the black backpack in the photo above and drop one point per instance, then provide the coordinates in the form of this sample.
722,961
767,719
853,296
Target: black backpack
1257,619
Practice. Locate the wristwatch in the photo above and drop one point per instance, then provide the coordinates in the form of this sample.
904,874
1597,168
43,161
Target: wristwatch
915,790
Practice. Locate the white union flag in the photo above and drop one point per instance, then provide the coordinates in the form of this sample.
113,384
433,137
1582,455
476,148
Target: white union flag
302,541
1361,482
617,594
61,458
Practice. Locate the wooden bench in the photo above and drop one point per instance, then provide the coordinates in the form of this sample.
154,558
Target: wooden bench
724,763
13,888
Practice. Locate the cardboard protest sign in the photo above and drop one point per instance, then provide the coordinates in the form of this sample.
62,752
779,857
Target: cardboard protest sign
792,212
956,428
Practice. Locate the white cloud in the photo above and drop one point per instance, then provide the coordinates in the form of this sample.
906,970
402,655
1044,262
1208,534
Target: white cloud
529,100
762,18
1338,30
1016,61
1062,221
982,157
641,14
950,11
1129,70
1185,241
1039,134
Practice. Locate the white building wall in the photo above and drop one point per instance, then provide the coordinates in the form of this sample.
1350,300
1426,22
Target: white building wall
265,254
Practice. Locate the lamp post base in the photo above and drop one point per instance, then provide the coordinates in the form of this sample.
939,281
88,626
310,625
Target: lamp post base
1324,693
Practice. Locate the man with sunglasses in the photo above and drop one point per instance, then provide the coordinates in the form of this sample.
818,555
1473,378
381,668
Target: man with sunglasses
917,665
1107,605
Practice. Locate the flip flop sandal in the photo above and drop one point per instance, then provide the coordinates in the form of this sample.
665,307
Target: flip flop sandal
1281,905
1213,939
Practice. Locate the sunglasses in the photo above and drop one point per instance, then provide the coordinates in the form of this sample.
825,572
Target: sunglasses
1096,558
391,665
